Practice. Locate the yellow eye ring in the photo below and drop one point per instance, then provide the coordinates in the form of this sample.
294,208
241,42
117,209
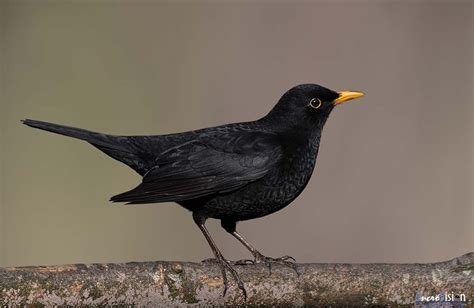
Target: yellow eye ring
315,103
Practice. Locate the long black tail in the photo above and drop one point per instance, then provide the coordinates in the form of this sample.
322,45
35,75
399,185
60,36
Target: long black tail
122,148
92,137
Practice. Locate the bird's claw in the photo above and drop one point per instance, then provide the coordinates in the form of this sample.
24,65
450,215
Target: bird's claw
288,261
226,265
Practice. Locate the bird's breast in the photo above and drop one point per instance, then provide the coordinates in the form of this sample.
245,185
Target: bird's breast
290,178
274,191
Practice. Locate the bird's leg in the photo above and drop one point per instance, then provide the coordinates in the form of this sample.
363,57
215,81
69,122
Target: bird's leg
289,261
224,264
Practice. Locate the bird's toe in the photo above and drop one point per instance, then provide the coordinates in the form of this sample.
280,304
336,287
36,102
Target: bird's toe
288,261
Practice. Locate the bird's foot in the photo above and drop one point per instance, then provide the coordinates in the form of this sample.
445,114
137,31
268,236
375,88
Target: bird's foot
259,258
225,265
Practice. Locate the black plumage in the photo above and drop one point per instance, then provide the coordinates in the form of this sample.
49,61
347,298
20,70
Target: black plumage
232,172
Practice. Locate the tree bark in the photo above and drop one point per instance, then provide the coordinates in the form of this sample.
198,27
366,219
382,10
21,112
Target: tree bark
182,283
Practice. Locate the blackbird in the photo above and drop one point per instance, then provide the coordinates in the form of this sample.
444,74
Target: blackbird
232,172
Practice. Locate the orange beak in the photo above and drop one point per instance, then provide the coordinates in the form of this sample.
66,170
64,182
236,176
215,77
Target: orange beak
345,96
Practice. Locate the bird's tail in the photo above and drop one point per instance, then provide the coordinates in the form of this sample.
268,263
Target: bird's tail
92,137
117,147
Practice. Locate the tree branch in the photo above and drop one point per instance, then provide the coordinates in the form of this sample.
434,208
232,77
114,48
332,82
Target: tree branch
179,283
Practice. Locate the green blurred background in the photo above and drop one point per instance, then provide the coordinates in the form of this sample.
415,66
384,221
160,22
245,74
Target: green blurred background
394,178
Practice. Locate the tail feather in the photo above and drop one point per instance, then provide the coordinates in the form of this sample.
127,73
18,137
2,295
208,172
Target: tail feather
120,148
89,136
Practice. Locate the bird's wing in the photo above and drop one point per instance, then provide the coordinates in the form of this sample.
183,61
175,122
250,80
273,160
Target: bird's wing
207,165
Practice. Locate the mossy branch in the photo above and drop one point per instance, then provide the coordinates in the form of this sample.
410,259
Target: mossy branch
181,283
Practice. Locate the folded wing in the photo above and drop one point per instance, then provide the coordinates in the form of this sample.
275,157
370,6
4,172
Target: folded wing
207,165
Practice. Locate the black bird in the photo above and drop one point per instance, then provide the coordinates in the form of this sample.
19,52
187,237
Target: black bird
232,172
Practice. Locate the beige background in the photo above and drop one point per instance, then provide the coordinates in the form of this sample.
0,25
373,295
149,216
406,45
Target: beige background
394,177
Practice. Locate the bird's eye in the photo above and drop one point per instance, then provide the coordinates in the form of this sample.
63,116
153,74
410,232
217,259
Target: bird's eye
315,103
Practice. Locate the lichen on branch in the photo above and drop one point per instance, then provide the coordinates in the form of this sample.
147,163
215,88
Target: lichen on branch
181,283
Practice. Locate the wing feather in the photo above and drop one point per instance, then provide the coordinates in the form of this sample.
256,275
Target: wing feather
207,165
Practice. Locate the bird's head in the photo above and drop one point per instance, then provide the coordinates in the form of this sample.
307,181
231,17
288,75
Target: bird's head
308,105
